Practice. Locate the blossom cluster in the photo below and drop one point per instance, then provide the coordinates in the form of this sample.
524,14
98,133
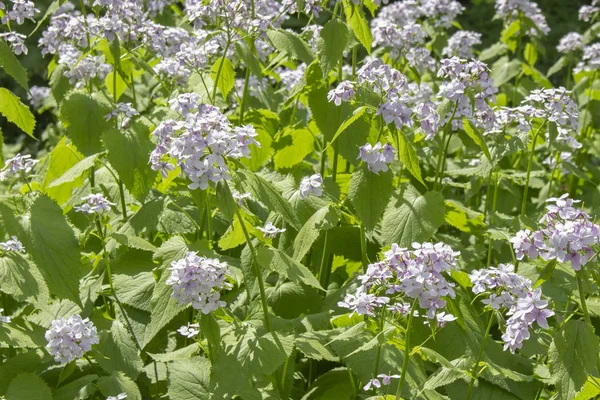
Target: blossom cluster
201,143
190,330
461,44
70,338
270,230
402,275
377,157
590,61
568,235
126,111
18,165
440,13
198,280
510,10
13,245
94,204
509,290
311,185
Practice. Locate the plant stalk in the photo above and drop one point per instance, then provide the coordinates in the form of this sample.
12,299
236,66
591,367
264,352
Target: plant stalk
406,350
479,354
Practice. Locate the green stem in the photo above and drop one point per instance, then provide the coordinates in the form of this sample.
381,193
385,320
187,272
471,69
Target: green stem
442,147
122,196
406,350
479,354
216,82
493,218
208,219
363,248
244,96
584,308
529,164
257,271
323,270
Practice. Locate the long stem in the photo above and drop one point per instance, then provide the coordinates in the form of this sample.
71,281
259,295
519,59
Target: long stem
208,219
323,270
406,350
122,196
244,96
584,308
479,354
105,253
442,147
493,218
257,271
529,164
216,82
363,248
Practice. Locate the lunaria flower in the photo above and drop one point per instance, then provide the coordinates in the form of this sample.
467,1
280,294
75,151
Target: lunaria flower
569,43
16,42
568,235
509,291
240,197
127,112
198,281
12,245
94,204
377,157
38,95
270,230
404,276
120,396
21,10
311,185
3,318
70,338
190,330
461,44
201,144
16,166
342,93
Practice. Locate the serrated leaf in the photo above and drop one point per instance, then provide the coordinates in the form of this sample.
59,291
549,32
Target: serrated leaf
412,217
52,245
325,218
312,348
346,124
223,69
75,172
133,242
266,124
128,154
62,158
84,119
463,218
28,386
408,157
189,379
573,356
557,66
358,23
21,279
79,389
11,65
249,58
277,261
49,11
477,136
291,45
16,112
302,144
504,70
118,352
119,383
370,194
331,45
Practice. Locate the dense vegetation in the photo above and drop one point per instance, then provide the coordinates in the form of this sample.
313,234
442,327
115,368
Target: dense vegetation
217,199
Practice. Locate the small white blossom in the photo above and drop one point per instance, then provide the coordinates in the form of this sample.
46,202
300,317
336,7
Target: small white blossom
3,318
120,396
94,203
70,338
311,185
270,230
240,197
16,166
342,93
189,330
12,245
127,112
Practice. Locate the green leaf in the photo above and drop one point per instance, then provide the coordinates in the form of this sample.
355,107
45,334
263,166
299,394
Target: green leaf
412,217
444,376
119,383
277,261
591,389
573,356
21,279
331,45
234,235
12,66
28,386
530,54
62,158
463,218
118,352
325,218
493,51
164,307
223,68
302,144
291,45
75,172
189,379
269,196
504,70
475,133
266,124
16,112
408,157
346,124
358,23
209,328
557,66
370,194
128,154
84,119
133,242
249,58
312,348
79,389
51,243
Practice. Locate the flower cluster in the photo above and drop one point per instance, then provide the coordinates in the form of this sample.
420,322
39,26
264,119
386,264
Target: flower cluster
17,165
509,11
569,43
94,204
509,290
16,42
403,275
469,86
21,10
38,96
12,245
587,12
127,112
440,13
376,383
198,280
377,157
3,318
70,338
461,44
201,143
311,185
270,230
568,236
343,92
590,61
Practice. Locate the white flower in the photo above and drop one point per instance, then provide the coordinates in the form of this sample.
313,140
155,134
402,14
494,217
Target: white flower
126,110
70,338
12,245
94,203
311,185
342,93
16,166
3,318
239,197
189,330
270,230
120,396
